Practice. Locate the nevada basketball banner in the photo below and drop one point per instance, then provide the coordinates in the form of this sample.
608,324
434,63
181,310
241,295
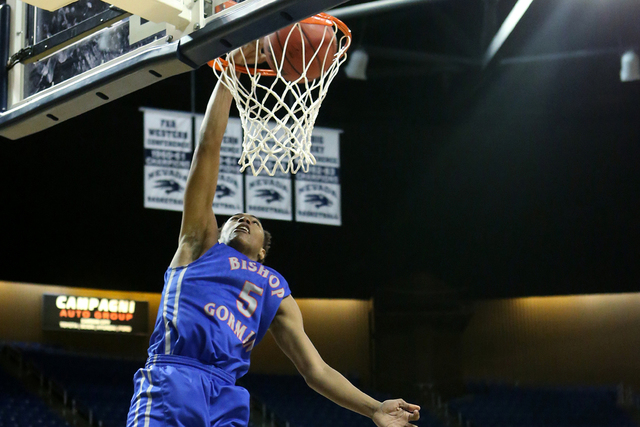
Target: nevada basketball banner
94,314
168,147
229,198
269,197
167,154
318,198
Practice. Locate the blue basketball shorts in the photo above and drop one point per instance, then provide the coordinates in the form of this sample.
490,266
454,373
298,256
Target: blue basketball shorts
180,391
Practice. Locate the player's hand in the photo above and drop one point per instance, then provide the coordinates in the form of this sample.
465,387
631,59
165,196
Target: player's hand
247,54
396,413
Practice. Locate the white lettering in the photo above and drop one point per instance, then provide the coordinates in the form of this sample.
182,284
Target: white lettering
263,271
67,302
219,312
232,321
210,309
123,306
240,328
278,292
252,303
82,303
274,282
248,343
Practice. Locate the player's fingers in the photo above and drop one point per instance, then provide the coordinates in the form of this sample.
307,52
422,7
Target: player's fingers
411,425
409,407
262,57
411,416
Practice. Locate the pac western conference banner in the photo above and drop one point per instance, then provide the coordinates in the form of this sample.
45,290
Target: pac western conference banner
167,158
229,199
318,191
168,145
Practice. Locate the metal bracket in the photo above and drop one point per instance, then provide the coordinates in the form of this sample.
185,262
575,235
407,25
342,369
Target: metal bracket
64,38
19,56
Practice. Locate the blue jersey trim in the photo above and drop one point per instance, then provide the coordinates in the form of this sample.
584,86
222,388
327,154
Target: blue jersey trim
165,315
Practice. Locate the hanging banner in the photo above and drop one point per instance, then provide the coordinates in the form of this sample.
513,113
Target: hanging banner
167,158
229,198
318,198
269,196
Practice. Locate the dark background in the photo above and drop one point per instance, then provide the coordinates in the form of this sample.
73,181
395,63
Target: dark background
514,179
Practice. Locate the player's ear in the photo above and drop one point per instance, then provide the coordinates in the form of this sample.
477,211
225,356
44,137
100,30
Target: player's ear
261,255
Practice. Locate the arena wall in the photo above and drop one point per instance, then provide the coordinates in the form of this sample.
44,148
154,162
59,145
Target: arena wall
564,340
338,328
579,340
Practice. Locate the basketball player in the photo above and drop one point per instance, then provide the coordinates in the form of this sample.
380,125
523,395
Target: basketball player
218,302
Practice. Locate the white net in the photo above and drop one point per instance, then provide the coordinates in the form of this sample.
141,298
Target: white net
278,115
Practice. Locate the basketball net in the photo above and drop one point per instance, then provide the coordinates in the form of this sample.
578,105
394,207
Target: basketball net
277,115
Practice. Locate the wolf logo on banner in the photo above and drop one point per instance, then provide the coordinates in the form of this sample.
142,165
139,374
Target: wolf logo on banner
320,203
270,196
223,191
164,188
318,191
318,200
168,185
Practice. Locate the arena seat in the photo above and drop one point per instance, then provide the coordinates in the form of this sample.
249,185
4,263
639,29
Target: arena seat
19,408
103,384
292,400
495,405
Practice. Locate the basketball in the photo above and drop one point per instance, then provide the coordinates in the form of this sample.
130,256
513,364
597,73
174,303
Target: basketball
314,38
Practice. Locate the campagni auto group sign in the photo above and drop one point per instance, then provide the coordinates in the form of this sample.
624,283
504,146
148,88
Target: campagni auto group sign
94,314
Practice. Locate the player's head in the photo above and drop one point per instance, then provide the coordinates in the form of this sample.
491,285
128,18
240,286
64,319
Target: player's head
244,233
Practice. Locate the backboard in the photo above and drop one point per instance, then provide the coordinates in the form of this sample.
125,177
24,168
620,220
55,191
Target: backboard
67,61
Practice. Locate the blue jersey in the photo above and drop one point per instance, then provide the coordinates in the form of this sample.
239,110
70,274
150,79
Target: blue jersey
217,308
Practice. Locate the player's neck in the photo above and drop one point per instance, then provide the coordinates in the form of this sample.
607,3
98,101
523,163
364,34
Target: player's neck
243,249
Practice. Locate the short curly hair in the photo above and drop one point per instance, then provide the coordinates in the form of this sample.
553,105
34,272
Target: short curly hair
266,245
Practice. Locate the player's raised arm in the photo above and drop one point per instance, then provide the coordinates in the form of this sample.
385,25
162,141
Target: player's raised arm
288,331
199,229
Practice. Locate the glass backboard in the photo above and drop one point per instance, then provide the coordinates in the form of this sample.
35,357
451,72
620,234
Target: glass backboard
100,47
69,61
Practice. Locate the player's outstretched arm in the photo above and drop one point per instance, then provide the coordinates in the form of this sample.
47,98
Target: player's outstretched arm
199,229
288,331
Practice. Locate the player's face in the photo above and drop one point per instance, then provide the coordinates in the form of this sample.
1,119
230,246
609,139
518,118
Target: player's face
244,233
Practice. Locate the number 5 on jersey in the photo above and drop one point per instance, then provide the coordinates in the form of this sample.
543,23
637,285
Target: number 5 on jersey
245,296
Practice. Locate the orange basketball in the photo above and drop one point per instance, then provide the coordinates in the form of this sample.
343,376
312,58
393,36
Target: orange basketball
314,37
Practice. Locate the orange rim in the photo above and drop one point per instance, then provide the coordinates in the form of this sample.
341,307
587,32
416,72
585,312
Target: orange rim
319,19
